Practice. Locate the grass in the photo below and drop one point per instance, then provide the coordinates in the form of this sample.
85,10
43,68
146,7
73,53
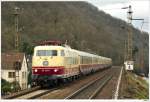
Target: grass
137,88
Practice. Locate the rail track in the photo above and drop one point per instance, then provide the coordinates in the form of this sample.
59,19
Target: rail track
36,94
90,90
21,93
31,93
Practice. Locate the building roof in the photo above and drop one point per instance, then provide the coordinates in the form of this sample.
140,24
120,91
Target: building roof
10,59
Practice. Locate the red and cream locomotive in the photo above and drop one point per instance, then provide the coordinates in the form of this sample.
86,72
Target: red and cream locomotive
52,62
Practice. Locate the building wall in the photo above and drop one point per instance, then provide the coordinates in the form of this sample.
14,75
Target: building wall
4,75
23,79
23,75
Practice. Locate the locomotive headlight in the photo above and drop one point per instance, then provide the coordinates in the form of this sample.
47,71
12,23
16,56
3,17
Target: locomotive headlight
55,70
35,70
45,63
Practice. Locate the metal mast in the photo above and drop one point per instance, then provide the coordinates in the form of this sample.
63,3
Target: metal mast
125,51
142,48
129,63
129,45
16,14
142,58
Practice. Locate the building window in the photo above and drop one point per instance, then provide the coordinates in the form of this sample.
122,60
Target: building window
24,86
24,64
11,74
25,75
17,65
22,74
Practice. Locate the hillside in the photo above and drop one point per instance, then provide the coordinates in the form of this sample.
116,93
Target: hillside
80,23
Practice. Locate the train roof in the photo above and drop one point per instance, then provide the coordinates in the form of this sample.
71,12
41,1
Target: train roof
81,53
49,46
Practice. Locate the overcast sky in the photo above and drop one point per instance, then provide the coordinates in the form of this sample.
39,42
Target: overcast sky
140,9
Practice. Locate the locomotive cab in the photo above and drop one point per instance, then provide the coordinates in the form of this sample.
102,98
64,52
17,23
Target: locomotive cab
48,62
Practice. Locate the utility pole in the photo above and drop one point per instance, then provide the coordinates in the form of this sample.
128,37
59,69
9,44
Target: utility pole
142,57
142,48
129,40
141,39
128,55
16,14
130,44
125,51
129,60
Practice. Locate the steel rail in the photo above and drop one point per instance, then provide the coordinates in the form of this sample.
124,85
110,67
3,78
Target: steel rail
118,85
41,94
100,87
21,93
85,87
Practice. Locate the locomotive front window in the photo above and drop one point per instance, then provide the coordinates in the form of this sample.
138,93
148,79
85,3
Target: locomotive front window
46,53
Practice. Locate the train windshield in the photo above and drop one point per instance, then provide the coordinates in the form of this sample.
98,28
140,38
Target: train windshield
46,53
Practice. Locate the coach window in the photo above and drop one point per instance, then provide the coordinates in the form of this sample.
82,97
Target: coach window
62,53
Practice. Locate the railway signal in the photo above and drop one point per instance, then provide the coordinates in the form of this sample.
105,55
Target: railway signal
129,63
129,56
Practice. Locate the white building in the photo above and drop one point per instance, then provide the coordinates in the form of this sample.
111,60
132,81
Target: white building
14,68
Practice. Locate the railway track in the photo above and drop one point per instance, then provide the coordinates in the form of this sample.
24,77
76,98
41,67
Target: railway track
21,93
90,90
32,93
94,86
36,94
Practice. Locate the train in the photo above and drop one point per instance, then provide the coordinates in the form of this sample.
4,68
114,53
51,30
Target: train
53,62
